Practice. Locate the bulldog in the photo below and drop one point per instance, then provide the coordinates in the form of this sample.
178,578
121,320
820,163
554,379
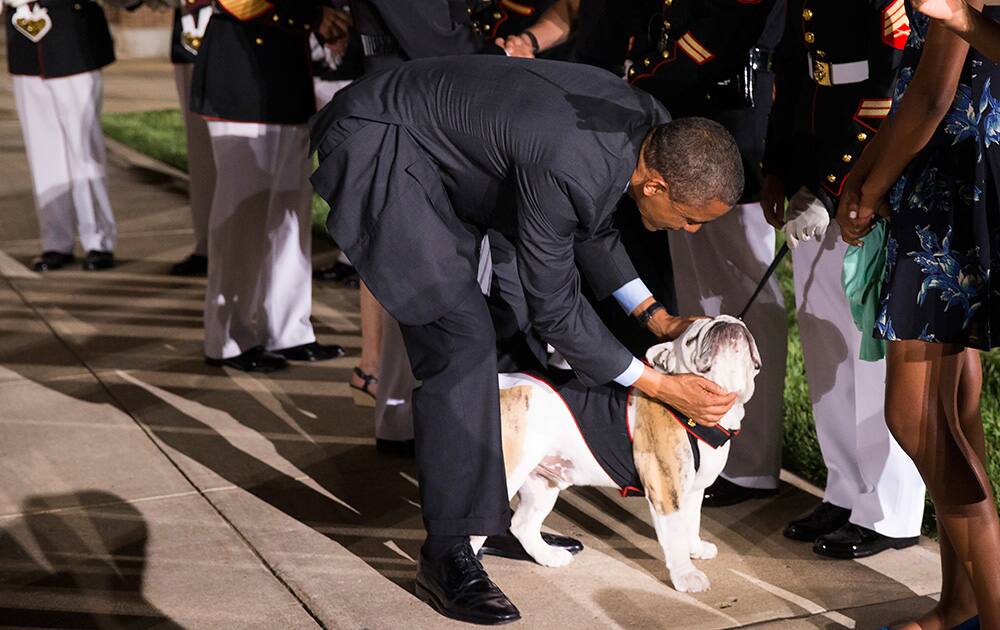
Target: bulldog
557,433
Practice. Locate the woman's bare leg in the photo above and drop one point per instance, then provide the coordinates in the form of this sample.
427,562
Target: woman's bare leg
371,340
944,438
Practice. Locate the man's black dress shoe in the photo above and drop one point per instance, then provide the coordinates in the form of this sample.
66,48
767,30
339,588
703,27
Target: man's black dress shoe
853,541
193,265
50,261
337,272
95,260
457,586
507,546
256,359
723,493
823,520
314,351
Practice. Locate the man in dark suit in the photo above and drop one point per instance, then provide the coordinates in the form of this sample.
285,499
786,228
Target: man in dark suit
417,163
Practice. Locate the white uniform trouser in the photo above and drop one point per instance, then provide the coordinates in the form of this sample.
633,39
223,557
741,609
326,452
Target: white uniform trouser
716,270
259,289
201,166
868,473
61,123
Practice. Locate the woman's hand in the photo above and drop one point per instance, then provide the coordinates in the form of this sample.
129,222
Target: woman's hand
858,207
698,398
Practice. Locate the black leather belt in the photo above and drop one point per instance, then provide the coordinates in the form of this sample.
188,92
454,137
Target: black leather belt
378,44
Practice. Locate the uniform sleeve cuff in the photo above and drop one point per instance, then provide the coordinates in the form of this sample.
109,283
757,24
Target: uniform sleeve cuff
631,373
632,294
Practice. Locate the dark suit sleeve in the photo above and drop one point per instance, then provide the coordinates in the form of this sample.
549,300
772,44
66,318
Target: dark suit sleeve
429,28
547,268
604,261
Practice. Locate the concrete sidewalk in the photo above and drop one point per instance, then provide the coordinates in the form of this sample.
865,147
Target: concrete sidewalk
141,488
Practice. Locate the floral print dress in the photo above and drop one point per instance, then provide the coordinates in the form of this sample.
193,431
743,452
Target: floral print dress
944,236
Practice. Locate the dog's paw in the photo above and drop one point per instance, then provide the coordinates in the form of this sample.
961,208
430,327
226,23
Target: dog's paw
694,581
703,550
553,557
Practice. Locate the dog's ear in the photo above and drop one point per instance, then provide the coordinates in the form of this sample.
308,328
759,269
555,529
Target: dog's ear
754,352
662,357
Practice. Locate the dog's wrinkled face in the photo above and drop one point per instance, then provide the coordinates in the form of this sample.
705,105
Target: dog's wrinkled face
720,349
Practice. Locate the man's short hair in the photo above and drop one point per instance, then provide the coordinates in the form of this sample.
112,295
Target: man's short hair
698,159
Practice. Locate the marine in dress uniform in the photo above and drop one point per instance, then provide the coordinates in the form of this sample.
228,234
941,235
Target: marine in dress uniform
836,68
454,156
712,58
253,84
190,23
55,52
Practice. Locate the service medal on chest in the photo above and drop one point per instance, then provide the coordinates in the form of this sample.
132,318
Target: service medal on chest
32,22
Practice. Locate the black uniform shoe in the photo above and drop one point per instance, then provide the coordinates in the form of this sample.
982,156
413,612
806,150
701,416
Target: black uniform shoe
403,448
853,541
314,351
457,586
723,493
337,272
256,359
825,519
507,546
95,260
193,265
50,261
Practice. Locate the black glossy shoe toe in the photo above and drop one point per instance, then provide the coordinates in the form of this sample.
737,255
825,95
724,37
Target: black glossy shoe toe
193,265
852,541
724,492
401,448
96,260
314,351
507,546
823,520
50,261
457,586
255,359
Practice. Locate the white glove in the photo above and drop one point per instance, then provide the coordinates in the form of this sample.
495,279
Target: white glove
806,218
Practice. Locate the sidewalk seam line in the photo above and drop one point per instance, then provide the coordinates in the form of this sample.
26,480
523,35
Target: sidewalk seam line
145,429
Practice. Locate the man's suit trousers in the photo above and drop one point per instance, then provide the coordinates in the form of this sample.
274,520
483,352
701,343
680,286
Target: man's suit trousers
61,124
456,413
259,289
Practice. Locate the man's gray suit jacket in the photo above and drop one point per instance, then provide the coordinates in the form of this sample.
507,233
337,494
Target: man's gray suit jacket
417,162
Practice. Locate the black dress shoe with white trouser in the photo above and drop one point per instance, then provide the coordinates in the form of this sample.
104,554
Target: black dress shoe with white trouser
854,541
50,261
457,586
96,260
724,492
825,519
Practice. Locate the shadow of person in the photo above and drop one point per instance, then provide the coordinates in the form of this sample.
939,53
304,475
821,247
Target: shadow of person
78,567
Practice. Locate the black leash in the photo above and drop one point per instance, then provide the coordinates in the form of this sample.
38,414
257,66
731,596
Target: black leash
767,276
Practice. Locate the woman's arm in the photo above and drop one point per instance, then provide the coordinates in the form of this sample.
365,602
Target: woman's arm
926,101
969,24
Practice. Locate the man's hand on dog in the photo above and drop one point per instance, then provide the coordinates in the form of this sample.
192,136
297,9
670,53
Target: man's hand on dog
665,326
698,398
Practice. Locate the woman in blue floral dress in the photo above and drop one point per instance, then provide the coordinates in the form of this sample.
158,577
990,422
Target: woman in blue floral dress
934,168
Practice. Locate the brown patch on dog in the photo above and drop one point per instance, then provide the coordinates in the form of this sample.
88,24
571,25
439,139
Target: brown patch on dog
514,404
555,470
662,453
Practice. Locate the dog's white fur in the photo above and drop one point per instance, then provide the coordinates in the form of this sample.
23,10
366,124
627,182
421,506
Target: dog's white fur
545,453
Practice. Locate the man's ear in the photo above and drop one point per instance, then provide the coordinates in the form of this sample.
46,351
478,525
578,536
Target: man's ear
662,357
655,186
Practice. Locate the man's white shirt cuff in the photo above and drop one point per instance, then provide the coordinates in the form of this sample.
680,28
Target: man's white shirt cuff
631,373
632,294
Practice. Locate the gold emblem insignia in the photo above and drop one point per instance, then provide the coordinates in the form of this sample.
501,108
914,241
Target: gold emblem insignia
821,73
